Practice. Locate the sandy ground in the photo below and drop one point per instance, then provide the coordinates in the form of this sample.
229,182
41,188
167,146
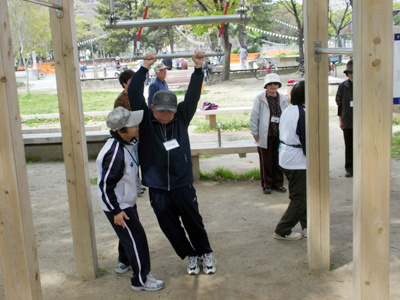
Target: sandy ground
240,221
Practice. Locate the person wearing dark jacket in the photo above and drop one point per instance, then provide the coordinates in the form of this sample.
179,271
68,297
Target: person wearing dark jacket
344,100
166,165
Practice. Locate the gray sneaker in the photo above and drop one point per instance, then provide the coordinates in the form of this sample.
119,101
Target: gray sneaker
294,236
122,268
193,265
150,285
209,263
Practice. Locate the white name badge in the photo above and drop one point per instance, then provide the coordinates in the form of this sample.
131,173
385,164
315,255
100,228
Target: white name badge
274,119
351,103
172,144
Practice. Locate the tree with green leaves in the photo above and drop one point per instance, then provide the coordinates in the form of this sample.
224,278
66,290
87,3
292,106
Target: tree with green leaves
30,29
339,19
296,9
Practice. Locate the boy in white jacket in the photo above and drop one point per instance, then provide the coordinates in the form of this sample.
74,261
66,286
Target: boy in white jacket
117,166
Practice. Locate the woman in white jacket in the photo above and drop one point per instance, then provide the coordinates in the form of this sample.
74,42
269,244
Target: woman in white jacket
264,124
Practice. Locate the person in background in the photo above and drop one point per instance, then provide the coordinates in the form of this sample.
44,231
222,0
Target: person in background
264,124
117,166
167,62
122,99
166,165
184,64
243,57
159,83
344,100
83,68
292,159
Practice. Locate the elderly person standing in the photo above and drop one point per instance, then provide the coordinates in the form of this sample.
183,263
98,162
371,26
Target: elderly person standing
264,124
159,83
344,100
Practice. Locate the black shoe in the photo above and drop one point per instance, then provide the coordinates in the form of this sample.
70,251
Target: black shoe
267,190
280,189
349,174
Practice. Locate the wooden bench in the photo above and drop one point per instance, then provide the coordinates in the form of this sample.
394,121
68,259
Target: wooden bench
211,115
239,147
48,147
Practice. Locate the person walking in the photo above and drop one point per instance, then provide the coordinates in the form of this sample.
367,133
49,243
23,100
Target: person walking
117,166
344,101
243,57
264,125
292,159
166,165
159,83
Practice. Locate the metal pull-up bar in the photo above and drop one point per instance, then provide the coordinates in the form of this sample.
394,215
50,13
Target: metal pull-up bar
319,50
178,21
57,6
180,55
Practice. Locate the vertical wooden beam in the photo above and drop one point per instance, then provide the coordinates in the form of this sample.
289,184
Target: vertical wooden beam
74,139
373,89
18,255
317,126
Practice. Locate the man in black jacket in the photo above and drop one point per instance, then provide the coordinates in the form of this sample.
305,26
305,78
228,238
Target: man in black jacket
165,156
344,100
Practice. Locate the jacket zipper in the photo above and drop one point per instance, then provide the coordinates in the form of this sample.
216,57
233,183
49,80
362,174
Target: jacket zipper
164,127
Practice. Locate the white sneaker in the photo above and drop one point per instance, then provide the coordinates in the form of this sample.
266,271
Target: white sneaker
122,268
294,236
305,232
209,263
193,265
150,285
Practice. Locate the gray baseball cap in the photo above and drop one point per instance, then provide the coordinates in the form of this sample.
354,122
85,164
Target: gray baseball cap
165,100
120,117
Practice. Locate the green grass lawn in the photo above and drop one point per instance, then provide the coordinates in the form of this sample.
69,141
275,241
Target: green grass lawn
45,103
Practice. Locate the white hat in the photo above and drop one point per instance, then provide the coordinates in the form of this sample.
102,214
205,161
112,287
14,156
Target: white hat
120,117
272,78
159,67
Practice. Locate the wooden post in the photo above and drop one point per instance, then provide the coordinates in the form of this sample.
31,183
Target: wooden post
18,255
74,139
372,115
317,126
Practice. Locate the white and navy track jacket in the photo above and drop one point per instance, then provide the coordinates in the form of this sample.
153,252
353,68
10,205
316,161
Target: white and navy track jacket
117,167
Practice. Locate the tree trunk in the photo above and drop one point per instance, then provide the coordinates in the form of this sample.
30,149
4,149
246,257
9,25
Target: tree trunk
171,38
227,54
300,42
242,41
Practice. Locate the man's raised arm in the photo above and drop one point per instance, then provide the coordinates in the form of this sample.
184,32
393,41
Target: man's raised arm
136,86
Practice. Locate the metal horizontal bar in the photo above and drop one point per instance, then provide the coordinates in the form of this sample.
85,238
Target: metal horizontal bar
44,3
178,21
348,51
179,55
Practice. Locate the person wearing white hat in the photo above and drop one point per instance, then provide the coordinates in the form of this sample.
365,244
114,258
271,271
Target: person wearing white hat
159,83
264,124
117,188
